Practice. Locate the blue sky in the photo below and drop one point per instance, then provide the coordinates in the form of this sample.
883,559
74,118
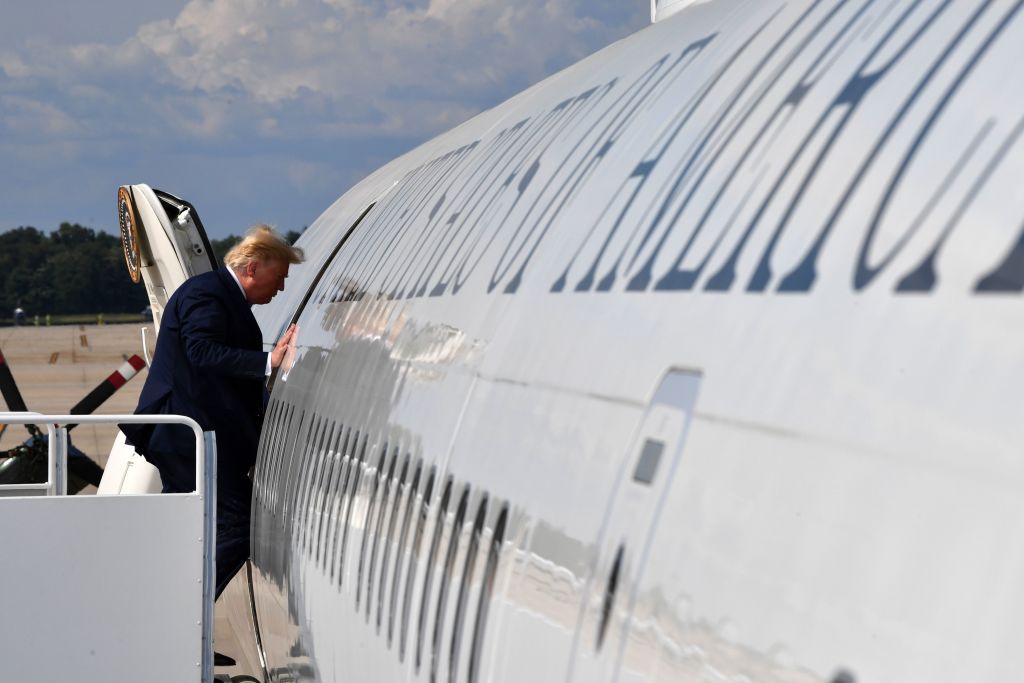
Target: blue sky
256,110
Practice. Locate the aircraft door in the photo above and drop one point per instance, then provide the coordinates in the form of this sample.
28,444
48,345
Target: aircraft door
164,244
163,240
624,542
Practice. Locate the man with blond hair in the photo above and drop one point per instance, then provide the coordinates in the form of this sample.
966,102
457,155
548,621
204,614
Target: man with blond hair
209,364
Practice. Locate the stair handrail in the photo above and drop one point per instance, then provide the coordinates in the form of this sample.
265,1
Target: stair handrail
206,488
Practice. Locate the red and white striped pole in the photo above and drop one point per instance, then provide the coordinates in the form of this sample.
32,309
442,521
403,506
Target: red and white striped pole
107,387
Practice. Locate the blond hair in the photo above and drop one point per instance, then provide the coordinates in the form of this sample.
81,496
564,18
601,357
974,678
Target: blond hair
262,243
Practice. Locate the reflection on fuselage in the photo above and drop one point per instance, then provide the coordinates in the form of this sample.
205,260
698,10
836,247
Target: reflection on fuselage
808,210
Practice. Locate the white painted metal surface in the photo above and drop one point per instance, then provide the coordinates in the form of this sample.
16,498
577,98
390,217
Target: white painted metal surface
109,588
814,206
171,251
127,472
661,9
101,588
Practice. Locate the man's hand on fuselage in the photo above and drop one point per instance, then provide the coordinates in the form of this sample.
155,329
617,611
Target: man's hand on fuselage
281,348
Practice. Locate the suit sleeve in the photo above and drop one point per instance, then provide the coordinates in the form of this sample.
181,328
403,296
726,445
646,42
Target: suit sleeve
205,335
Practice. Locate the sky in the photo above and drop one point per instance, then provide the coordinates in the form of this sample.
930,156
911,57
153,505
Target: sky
256,110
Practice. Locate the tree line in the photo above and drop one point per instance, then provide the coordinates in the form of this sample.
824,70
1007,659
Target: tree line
73,270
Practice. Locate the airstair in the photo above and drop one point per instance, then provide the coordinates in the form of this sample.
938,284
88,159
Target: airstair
107,588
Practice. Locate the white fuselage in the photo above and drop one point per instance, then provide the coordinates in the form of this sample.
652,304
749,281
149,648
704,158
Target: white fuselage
708,350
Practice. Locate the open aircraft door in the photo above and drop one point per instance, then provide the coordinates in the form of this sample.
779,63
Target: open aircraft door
163,240
164,244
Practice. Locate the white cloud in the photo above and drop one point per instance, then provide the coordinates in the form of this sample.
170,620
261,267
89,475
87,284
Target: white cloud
420,65
392,66
311,175
305,85
14,66
200,117
23,114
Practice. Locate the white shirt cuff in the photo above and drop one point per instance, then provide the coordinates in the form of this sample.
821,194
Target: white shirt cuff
268,366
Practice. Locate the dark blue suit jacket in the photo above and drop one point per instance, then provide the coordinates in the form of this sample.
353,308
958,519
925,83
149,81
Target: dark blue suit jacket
208,365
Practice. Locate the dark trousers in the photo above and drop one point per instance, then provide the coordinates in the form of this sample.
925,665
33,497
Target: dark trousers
232,542
234,506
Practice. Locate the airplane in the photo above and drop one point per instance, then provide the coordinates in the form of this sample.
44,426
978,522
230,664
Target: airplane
698,360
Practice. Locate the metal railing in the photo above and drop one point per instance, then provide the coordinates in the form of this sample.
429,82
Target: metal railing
206,488
56,463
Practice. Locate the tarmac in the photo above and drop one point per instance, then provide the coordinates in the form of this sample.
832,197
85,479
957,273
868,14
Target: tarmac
55,367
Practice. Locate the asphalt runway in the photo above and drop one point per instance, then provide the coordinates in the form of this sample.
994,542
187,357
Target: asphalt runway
55,367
